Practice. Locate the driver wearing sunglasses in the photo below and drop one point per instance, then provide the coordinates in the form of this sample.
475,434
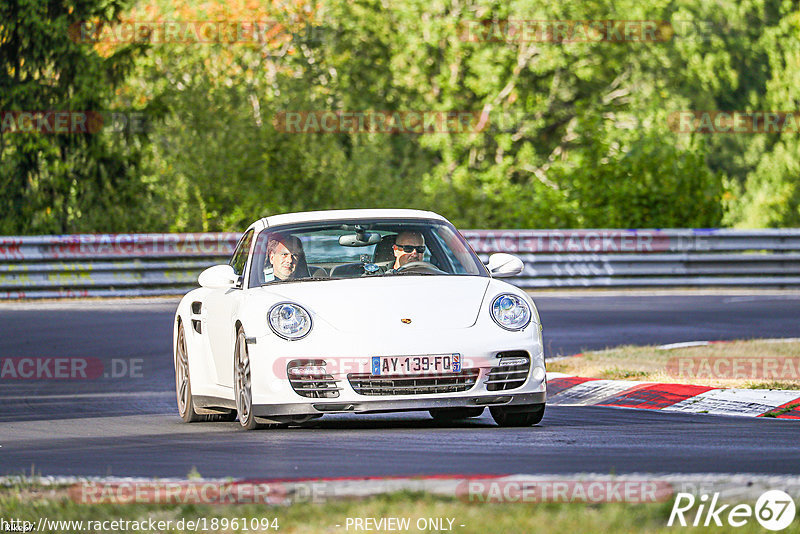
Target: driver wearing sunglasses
408,247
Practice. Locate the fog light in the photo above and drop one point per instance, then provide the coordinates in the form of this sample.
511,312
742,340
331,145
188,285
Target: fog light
310,369
505,362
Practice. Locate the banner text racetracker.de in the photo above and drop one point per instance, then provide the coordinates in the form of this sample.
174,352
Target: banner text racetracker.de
160,264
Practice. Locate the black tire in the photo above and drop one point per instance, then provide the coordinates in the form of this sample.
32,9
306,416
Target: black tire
242,384
183,383
522,415
445,415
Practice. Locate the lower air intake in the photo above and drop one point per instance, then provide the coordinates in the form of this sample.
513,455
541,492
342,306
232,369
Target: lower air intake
367,384
309,379
511,373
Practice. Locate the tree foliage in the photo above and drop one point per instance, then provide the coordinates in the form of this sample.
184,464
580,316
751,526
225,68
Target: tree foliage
578,132
64,182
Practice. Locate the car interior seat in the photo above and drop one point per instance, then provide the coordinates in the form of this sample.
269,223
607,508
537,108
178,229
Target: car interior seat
384,253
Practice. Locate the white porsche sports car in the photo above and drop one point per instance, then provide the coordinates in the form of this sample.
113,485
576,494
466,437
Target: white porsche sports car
356,311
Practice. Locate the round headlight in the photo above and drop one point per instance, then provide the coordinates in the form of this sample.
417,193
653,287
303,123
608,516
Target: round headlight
290,321
511,312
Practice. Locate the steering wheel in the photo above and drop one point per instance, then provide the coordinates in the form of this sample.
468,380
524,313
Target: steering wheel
420,266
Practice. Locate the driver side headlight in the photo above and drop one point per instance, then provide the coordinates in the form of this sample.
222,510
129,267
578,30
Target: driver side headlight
289,321
511,312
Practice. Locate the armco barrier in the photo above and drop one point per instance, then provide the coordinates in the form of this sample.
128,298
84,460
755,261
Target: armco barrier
648,258
165,264
99,265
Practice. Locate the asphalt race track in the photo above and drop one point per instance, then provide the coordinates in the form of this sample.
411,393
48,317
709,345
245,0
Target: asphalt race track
128,425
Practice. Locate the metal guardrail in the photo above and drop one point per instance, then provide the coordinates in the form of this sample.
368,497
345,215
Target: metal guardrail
648,258
168,264
108,265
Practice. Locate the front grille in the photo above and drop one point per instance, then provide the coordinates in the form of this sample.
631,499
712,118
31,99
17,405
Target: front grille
367,384
506,377
314,386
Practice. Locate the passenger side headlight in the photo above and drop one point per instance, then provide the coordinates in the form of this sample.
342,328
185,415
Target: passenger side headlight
511,312
289,321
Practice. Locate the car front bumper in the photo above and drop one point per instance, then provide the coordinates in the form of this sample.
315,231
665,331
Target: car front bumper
274,396
367,405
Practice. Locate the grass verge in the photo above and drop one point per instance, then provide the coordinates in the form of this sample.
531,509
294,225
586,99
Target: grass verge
31,503
753,364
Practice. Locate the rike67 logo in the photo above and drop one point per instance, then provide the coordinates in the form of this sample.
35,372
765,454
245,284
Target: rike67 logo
774,510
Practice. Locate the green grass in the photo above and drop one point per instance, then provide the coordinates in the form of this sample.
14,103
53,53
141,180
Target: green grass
774,384
30,502
616,373
780,411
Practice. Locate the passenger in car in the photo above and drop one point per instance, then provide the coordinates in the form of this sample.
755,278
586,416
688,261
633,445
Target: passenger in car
285,254
408,246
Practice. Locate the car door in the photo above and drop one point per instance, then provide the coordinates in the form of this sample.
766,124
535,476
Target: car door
221,305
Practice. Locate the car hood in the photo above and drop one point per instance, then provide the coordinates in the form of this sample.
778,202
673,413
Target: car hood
430,302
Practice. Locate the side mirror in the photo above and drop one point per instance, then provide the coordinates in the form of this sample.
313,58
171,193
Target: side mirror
218,277
502,265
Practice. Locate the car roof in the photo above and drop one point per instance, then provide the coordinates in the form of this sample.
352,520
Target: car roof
331,215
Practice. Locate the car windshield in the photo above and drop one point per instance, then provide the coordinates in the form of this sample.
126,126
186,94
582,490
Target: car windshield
362,248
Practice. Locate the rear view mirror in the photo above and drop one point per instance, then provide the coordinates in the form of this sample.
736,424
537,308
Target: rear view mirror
502,265
218,277
361,239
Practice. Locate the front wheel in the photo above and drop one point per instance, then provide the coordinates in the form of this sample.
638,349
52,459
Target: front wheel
520,415
183,384
242,384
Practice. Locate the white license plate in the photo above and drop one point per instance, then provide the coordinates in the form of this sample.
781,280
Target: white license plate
429,364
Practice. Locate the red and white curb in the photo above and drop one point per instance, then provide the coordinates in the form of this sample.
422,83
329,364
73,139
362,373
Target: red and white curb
564,390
